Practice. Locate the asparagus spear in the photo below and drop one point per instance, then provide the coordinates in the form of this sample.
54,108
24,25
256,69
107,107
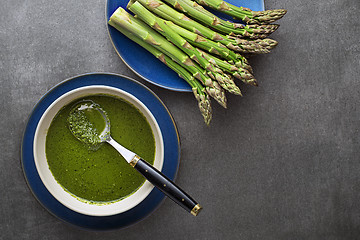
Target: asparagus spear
124,20
266,43
239,73
244,14
197,88
197,12
240,61
206,44
243,63
168,13
160,25
212,47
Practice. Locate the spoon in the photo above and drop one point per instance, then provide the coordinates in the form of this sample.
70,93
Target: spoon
83,129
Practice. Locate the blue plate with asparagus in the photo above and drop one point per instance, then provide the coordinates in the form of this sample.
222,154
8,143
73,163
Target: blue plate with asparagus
203,44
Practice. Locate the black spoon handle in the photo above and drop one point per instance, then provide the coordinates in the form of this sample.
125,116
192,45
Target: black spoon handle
165,185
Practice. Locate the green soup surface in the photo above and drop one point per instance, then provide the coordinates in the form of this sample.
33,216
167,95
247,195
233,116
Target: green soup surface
102,175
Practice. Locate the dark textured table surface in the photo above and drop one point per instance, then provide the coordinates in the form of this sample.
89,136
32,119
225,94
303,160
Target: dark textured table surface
280,163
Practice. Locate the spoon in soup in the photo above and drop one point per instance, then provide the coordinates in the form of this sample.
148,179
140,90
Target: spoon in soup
87,119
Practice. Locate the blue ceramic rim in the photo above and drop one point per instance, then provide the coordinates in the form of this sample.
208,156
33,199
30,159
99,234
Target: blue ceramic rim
171,152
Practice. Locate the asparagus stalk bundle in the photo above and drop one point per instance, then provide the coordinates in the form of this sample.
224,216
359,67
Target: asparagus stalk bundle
159,24
205,51
197,12
242,74
124,20
210,46
166,12
244,14
198,89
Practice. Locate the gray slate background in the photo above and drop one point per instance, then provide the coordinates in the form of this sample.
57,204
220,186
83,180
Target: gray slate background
280,163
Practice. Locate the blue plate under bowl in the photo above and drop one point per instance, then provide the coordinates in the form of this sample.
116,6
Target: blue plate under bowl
143,63
171,151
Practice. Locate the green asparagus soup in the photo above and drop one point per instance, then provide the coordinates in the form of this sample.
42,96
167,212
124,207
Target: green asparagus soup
101,175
